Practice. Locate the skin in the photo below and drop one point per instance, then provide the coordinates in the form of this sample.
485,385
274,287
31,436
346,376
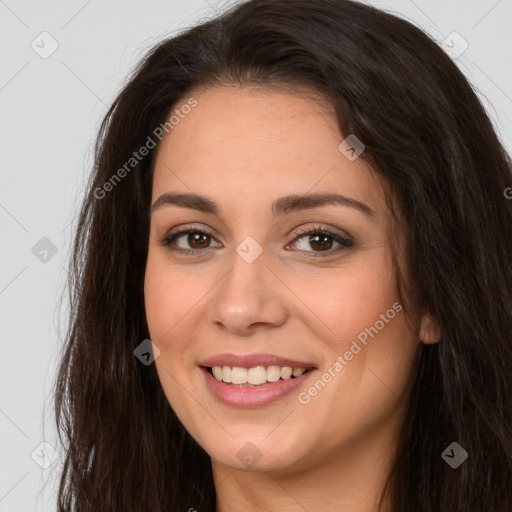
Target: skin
244,147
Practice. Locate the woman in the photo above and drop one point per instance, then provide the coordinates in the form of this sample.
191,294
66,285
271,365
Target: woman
292,280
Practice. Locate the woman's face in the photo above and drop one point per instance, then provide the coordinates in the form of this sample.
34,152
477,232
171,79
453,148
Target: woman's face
250,172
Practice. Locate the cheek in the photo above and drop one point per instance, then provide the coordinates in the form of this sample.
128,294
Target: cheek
175,301
351,300
168,297
159,303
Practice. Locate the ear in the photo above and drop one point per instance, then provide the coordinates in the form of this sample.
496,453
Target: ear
430,332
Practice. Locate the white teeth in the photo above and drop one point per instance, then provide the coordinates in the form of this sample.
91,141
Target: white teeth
255,376
273,373
226,374
286,372
217,372
239,375
297,372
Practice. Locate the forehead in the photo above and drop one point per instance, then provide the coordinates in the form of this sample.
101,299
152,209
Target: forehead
247,144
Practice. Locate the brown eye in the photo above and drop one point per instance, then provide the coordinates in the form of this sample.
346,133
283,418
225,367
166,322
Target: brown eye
190,241
198,240
317,241
321,242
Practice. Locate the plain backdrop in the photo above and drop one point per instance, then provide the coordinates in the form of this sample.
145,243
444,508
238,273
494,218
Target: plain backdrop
62,65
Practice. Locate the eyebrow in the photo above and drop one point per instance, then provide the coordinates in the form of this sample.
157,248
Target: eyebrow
280,207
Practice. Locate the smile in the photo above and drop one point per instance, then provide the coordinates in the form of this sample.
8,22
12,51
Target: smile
255,376
245,395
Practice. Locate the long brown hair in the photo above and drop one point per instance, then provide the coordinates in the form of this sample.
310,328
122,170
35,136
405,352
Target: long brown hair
426,135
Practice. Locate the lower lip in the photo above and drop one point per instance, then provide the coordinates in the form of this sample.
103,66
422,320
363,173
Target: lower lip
245,397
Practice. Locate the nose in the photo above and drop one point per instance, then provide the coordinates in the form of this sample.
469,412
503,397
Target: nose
248,298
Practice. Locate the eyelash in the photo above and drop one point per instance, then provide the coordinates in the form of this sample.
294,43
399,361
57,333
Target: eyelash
345,242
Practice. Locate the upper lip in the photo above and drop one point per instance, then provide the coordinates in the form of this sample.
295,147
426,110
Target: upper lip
252,360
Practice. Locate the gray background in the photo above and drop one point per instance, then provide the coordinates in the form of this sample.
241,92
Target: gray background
50,110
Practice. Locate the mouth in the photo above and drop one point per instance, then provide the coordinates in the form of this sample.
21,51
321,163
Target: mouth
248,387
256,376
254,380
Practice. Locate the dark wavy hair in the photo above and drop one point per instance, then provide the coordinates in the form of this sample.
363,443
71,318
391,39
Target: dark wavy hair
428,138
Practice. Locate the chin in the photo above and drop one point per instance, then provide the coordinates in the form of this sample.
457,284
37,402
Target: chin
255,451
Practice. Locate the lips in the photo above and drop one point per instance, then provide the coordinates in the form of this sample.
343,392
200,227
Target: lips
248,395
250,361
